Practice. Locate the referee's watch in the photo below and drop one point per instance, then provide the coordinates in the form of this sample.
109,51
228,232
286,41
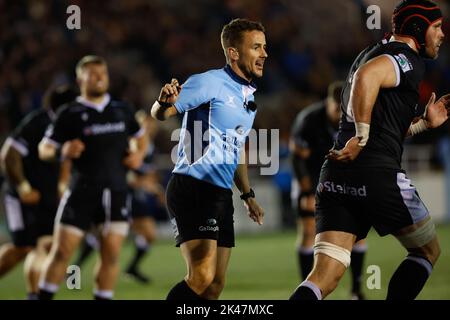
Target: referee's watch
250,194
165,104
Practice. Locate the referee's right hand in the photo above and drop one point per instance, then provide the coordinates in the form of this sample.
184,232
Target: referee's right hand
169,93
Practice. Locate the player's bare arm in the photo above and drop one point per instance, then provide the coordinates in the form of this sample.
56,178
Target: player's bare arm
378,73
47,151
164,107
64,176
138,146
436,113
70,150
136,152
307,202
12,165
255,212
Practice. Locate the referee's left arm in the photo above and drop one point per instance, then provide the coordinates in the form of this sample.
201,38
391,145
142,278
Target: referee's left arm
241,176
255,212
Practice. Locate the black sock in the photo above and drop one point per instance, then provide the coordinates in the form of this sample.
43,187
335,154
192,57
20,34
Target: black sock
45,295
306,291
140,253
305,261
86,251
409,278
32,296
356,268
181,291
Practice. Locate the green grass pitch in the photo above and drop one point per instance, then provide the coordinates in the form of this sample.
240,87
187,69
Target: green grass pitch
262,267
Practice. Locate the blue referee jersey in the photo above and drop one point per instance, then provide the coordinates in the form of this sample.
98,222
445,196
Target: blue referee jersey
216,122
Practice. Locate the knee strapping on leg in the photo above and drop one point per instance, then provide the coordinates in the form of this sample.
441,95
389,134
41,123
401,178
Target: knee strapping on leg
419,237
333,251
117,227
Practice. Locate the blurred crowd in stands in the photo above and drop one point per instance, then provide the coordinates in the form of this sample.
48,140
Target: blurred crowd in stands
147,42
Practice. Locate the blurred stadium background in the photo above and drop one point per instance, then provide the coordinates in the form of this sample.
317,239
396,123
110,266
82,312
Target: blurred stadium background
146,43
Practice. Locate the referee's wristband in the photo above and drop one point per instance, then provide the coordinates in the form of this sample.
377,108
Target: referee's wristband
362,132
250,194
164,104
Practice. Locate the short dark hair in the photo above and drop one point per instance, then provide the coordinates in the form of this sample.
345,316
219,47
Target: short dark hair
90,59
231,35
56,96
335,90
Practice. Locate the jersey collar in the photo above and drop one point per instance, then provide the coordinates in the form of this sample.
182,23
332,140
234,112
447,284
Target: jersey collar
97,106
238,78
385,41
392,39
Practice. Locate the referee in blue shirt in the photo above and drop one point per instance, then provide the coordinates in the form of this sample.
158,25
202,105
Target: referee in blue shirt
219,111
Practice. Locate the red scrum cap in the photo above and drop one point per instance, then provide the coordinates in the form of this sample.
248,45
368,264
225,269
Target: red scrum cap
412,18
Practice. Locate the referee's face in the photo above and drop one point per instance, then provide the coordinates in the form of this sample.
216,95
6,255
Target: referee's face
252,54
94,80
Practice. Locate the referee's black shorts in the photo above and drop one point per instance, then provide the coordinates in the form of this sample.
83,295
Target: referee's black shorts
353,200
200,210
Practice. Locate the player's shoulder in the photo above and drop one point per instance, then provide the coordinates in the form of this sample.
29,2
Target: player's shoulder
309,116
28,121
408,61
69,111
313,111
34,115
73,107
397,47
406,57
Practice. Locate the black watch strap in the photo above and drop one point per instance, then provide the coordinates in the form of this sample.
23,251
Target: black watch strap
250,194
165,104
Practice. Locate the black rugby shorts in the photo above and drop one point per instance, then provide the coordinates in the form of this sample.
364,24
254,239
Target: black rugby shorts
200,210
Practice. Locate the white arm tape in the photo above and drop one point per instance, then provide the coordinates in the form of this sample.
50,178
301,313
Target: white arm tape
362,132
418,127
154,109
156,104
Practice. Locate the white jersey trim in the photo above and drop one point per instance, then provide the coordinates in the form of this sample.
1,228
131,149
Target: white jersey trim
396,67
